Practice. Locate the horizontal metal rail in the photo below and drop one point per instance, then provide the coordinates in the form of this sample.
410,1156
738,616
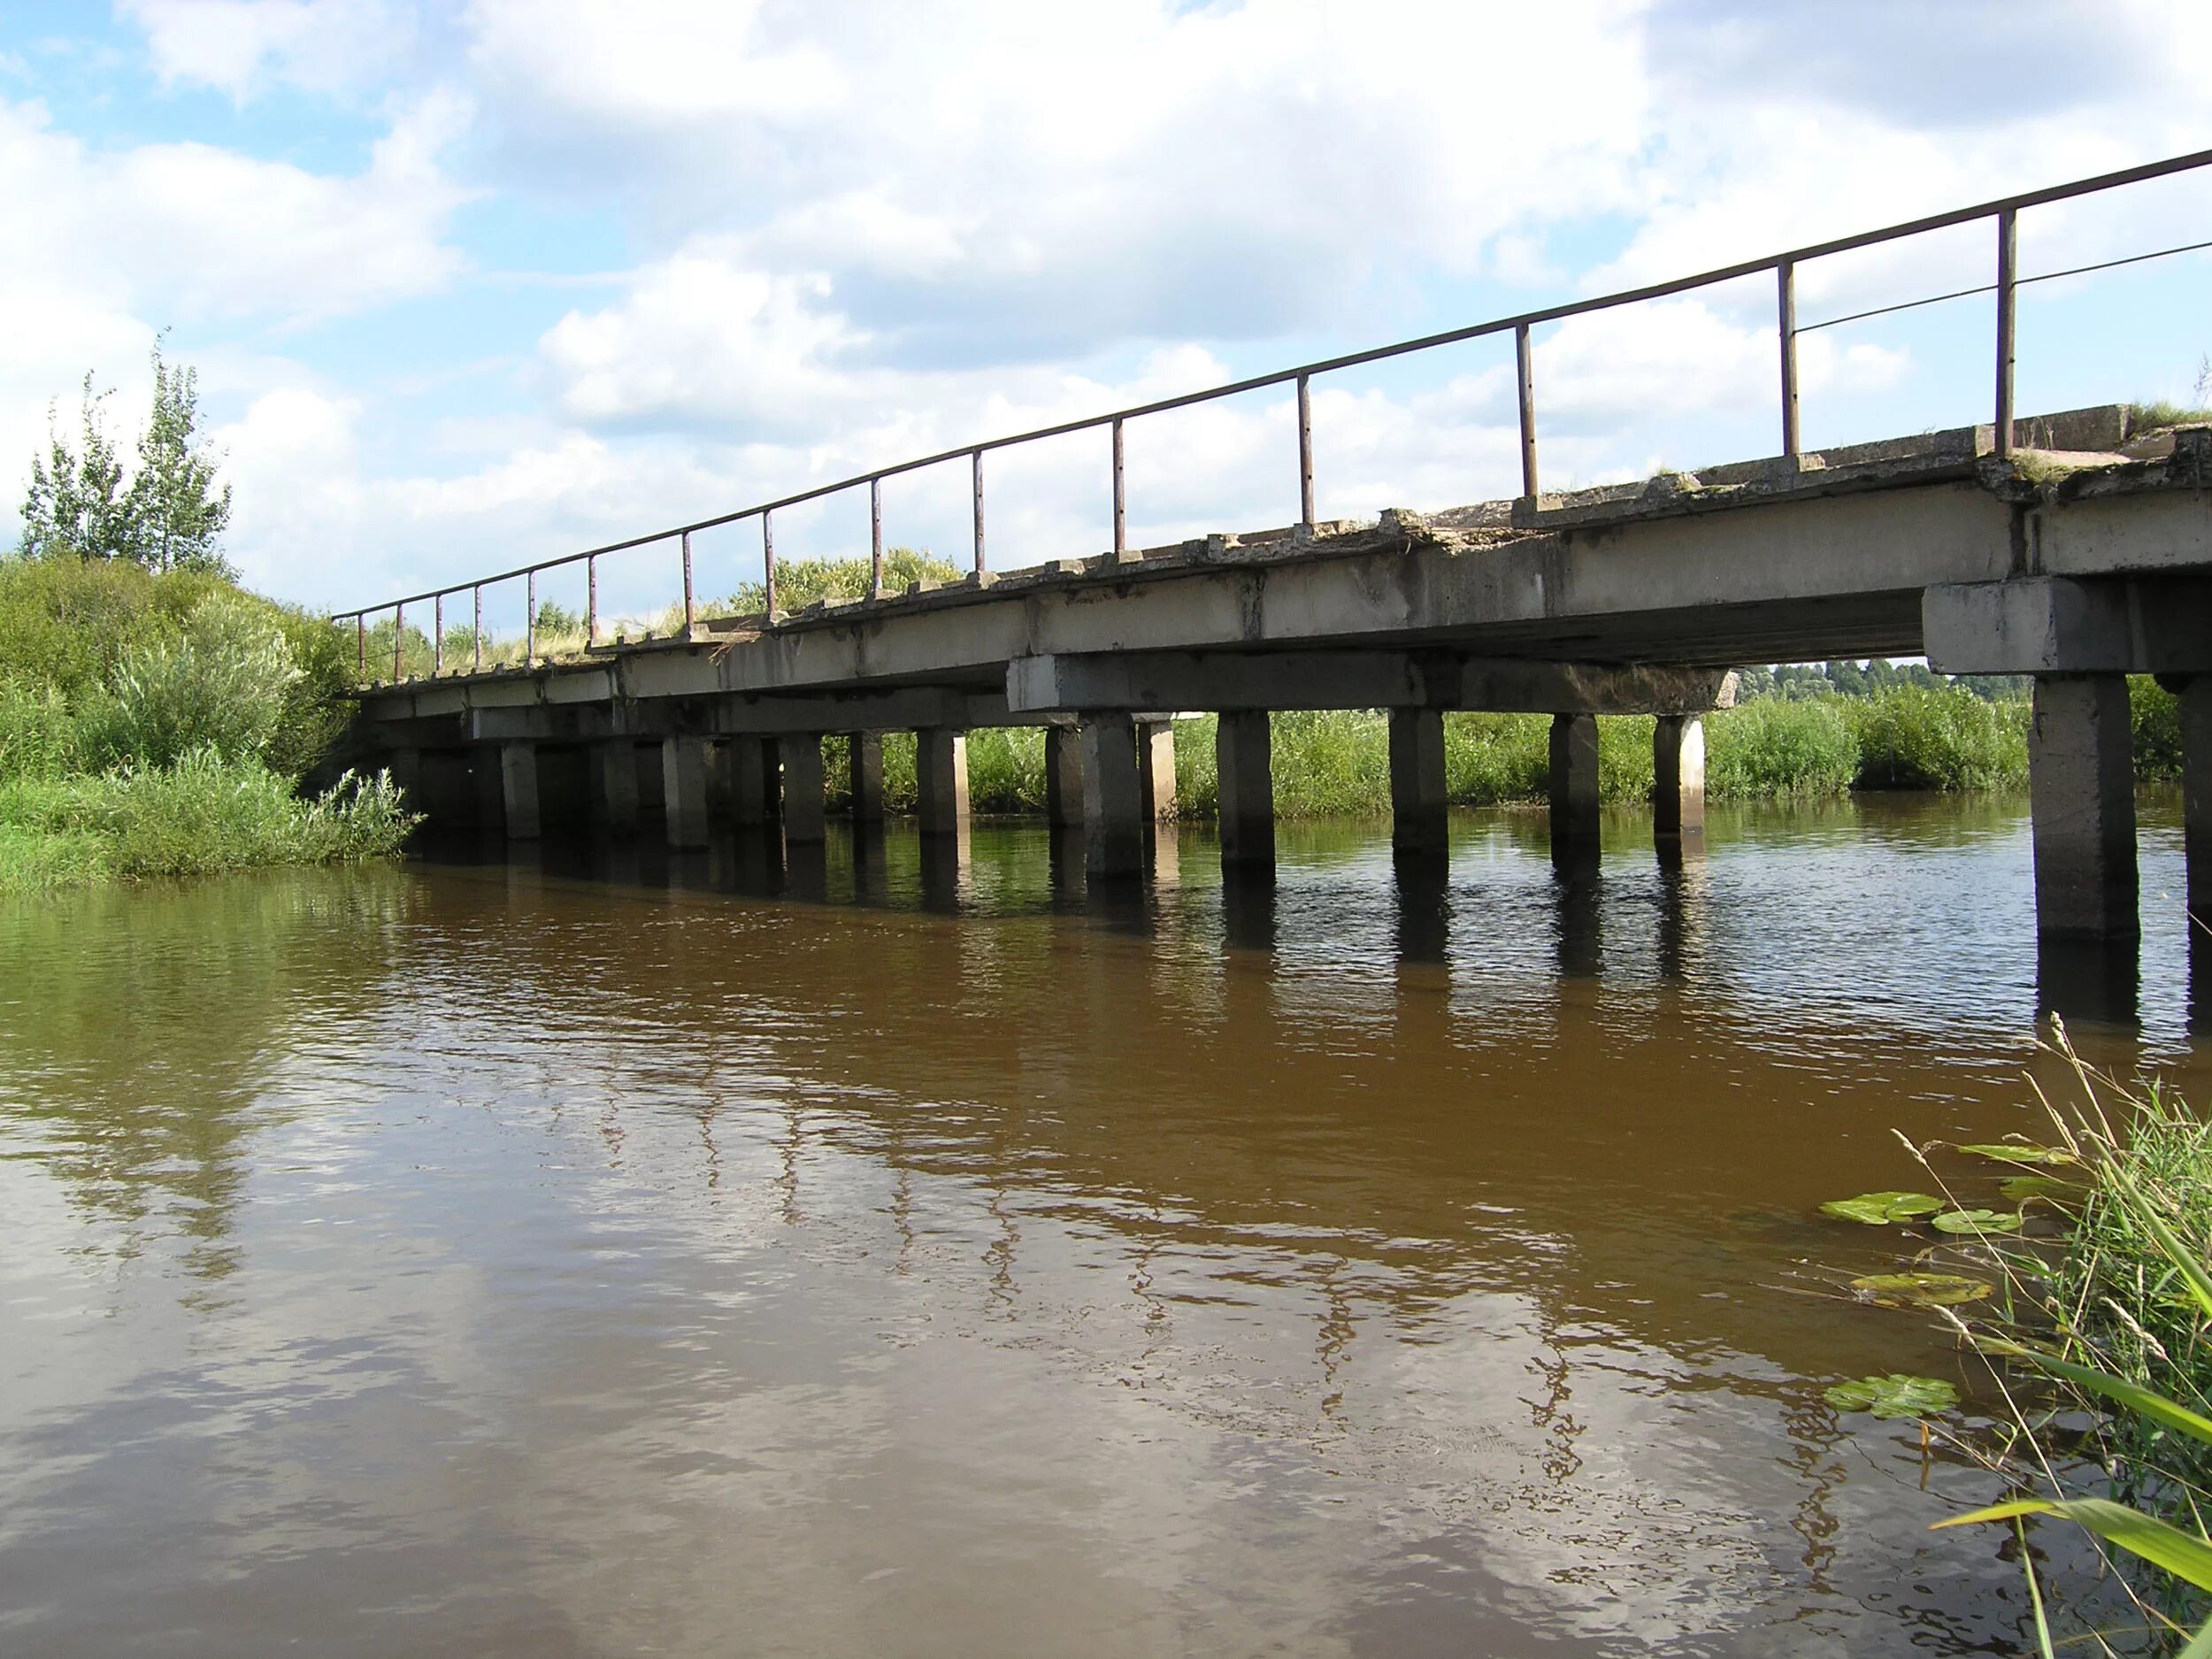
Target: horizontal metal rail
1779,265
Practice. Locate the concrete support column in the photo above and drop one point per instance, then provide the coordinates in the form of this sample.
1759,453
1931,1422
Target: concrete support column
940,780
2196,801
1114,824
752,784
1156,768
721,798
1574,782
614,793
519,790
801,754
1677,776
1245,792
1419,821
1063,777
867,776
684,790
405,765
2081,790
488,785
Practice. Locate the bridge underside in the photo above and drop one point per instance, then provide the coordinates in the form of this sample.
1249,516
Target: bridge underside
2077,569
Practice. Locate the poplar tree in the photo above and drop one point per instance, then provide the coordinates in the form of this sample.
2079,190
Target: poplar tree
77,503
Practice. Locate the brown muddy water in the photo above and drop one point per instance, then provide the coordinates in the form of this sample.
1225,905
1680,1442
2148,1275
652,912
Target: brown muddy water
652,1256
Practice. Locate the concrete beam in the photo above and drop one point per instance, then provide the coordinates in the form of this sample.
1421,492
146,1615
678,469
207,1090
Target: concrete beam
1575,799
519,790
2049,625
1678,773
1419,822
941,781
800,756
684,790
1378,679
1246,787
2081,796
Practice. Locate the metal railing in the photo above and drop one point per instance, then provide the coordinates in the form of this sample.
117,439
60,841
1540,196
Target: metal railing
2005,210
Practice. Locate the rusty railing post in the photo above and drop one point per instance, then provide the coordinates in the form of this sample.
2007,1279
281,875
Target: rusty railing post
476,628
591,602
361,643
1785,313
691,613
1524,363
399,638
437,635
976,459
1121,500
2008,273
530,621
875,538
768,562
1305,452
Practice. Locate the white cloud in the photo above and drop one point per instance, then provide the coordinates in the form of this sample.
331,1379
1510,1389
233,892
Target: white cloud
238,46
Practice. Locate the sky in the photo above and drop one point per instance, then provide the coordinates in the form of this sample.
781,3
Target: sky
474,284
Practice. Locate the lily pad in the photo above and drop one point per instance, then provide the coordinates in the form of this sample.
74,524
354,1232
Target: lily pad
2011,1153
1895,1396
1921,1290
1879,1209
1977,1221
2019,1188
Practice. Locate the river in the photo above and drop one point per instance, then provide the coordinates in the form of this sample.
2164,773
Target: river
621,1255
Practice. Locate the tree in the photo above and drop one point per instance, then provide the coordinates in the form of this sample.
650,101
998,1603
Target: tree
174,506
77,503
170,512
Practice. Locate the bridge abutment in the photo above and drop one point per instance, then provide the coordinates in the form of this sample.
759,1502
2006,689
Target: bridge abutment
2081,791
518,790
684,790
1245,787
1677,776
1418,819
804,818
940,780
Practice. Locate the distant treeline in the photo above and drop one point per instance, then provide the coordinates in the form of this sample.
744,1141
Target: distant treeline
1846,678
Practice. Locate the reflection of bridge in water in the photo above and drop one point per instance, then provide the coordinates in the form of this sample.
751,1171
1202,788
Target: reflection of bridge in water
2074,547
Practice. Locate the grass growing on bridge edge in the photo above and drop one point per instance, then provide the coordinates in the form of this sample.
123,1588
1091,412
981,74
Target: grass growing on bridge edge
1771,749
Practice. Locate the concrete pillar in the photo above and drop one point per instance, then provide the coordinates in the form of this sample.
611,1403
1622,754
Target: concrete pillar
488,784
1574,782
800,756
519,790
614,794
867,776
1064,776
940,780
1245,793
684,790
405,765
1156,768
1677,776
2081,790
751,783
1113,797
721,798
2196,801
1416,782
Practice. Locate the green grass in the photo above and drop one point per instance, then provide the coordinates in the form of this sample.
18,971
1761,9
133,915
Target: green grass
199,817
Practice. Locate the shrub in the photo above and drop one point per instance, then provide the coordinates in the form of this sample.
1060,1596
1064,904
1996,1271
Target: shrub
221,684
1911,737
2154,714
1773,750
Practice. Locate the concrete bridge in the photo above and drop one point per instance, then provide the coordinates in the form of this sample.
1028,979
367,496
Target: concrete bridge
2082,556
2075,547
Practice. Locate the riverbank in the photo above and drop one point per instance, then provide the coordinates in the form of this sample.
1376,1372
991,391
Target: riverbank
154,725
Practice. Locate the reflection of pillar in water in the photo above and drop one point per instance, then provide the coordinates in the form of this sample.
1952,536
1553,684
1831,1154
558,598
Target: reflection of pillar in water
2093,980
944,863
1166,849
1577,890
759,862
806,871
1248,908
1682,899
1064,846
872,883
2199,979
